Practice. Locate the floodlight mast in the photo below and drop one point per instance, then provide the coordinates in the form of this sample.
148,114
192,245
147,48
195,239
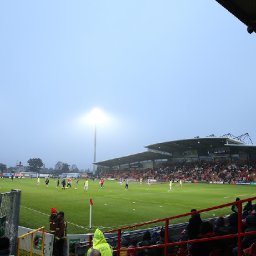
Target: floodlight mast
95,147
96,116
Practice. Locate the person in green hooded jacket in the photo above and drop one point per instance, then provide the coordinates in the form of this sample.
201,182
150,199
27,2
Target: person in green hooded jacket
99,243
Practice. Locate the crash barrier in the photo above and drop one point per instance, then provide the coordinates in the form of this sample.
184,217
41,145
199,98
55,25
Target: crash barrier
32,243
78,244
75,244
9,217
118,250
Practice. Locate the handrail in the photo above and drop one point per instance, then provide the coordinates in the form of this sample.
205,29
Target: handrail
166,243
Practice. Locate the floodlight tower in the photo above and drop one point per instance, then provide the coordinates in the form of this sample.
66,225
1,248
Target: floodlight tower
96,116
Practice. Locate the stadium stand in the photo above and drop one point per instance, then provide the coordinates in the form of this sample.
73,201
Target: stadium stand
222,160
226,171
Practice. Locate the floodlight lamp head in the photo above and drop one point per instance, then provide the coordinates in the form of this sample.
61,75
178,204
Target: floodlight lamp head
96,116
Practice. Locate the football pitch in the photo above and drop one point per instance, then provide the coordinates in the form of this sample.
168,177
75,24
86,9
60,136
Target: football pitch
114,206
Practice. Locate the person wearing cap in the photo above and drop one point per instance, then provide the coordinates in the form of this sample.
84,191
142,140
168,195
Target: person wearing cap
99,243
52,220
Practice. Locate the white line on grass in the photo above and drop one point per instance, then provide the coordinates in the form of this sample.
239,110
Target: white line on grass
86,228
71,223
42,213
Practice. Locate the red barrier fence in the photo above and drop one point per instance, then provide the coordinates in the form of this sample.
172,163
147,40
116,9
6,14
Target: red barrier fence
239,235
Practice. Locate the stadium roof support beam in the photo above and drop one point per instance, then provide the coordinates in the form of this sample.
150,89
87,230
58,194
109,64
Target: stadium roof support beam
244,10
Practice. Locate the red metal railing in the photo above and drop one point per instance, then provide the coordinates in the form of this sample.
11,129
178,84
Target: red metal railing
166,221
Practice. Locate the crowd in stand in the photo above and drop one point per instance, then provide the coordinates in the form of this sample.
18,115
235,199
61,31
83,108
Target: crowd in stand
196,171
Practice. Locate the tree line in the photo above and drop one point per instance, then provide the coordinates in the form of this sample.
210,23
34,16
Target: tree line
36,165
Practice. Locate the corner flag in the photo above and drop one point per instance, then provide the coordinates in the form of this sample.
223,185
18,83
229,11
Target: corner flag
90,220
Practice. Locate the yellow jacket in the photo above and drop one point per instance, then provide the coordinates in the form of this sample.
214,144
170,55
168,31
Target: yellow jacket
99,242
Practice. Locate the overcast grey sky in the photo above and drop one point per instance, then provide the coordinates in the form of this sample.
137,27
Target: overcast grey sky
161,70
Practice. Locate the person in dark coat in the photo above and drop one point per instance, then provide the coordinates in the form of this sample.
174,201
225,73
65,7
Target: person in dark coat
193,225
204,248
60,234
234,207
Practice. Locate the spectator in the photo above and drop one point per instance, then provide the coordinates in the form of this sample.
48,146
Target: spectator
219,226
95,252
221,229
123,249
250,226
146,240
247,209
251,251
234,207
60,234
132,246
232,223
204,248
52,220
194,225
247,241
99,243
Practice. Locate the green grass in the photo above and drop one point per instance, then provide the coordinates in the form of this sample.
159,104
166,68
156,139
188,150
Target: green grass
114,206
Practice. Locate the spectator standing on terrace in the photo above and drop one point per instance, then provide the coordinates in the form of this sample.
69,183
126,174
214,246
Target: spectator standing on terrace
123,248
132,246
248,208
52,220
232,224
60,234
250,225
146,241
219,226
247,241
99,243
204,248
194,225
234,207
